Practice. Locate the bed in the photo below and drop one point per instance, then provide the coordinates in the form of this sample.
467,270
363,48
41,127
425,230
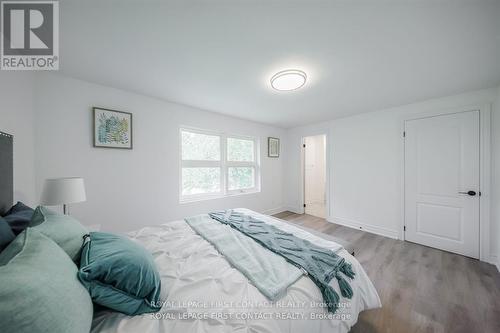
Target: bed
204,293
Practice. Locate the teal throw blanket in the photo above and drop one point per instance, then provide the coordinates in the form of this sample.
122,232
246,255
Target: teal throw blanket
321,264
270,273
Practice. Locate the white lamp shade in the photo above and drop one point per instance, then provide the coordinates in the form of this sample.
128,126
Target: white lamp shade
63,191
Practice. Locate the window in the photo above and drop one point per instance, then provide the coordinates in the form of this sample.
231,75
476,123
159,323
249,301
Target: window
216,165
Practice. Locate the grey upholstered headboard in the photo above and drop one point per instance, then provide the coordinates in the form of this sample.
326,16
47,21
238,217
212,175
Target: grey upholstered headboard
6,172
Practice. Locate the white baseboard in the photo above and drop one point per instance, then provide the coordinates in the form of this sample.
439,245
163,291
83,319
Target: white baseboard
381,231
273,211
296,210
494,261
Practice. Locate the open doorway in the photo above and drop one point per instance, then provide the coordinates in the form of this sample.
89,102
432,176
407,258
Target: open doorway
315,175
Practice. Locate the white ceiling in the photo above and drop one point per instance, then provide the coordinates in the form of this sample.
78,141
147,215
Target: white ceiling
360,56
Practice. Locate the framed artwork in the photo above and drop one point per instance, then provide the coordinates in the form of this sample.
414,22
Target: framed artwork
273,147
112,129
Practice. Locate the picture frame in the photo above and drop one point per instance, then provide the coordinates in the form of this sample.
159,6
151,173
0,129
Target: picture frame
112,128
273,147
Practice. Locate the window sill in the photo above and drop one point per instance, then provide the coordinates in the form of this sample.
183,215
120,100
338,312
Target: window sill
187,200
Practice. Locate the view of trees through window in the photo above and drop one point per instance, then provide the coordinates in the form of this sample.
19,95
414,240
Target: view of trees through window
241,178
200,147
206,171
200,180
240,150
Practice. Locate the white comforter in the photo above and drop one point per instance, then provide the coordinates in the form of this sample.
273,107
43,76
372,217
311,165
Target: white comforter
203,293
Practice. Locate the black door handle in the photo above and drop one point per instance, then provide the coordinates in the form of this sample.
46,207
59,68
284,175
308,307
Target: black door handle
471,193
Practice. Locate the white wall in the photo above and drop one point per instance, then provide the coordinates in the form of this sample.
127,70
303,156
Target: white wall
365,153
16,118
128,189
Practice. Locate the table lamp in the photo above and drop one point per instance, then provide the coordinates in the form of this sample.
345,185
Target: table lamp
63,191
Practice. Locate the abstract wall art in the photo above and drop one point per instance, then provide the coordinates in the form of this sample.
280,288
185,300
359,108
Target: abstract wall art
273,147
112,129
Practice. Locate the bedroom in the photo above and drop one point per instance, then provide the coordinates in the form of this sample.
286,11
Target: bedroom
207,128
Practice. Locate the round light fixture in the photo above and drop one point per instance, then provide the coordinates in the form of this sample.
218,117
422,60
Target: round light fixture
289,79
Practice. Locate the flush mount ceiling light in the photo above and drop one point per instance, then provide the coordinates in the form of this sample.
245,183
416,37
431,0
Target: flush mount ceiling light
290,79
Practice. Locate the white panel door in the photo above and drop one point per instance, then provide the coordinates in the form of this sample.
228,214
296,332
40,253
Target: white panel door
442,182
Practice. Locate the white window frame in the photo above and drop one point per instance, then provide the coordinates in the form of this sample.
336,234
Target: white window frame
223,164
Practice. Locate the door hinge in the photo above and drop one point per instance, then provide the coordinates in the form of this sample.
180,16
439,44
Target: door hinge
304,205
404,134
304,145
404,228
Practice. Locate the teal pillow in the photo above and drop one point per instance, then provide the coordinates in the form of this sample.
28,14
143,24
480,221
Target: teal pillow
6,234
39,288
120,274
63,229
19,217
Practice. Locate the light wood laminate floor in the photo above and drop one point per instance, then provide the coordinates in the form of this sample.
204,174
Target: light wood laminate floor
422,289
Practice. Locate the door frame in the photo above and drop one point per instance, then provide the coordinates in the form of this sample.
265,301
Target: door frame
327,175
484,170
